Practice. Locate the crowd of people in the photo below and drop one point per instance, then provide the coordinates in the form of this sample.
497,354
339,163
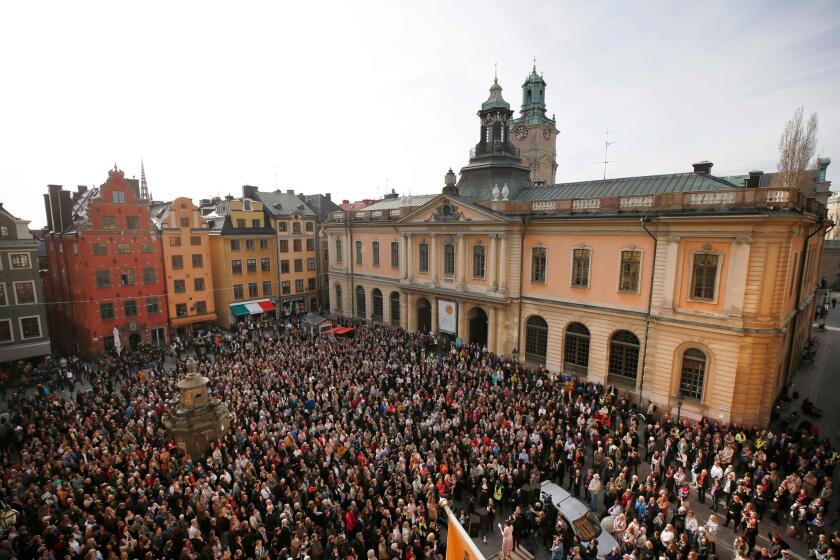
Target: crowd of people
342,448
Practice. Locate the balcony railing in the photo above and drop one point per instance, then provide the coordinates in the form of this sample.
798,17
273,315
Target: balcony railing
365,215
738,199
707,201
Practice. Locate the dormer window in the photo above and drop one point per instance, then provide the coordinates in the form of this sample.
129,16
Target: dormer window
246,205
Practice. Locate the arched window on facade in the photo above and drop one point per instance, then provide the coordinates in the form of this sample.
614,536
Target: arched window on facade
536,340
395,309
576,348
376,297
624,356
693,374
360,302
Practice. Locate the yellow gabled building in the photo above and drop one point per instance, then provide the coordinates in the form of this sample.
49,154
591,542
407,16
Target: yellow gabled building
187,264
242,250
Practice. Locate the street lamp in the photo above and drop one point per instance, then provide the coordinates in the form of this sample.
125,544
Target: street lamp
680,398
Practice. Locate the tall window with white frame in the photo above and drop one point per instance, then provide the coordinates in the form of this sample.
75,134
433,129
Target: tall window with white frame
358,252
423,258
395,254
704,276
449,260
628,280
338,303
479,262
374,254
580,268
693,374
338,251
538,264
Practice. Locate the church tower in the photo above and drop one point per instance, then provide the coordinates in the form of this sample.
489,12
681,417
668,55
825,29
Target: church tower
494,161
533,133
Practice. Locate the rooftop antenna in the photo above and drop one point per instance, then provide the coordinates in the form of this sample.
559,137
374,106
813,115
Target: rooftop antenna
607,145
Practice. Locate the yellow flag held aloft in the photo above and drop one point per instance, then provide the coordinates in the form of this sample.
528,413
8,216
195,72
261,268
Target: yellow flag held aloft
459,545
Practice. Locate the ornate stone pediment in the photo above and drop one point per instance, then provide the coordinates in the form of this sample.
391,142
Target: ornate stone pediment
447,212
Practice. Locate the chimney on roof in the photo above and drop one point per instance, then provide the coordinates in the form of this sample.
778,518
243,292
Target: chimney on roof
704,167
328,196
755,179
391,195
229,197
290,191
249,191
82,189
345,201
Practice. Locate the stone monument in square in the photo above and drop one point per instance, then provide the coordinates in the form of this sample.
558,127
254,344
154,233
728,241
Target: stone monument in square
197,419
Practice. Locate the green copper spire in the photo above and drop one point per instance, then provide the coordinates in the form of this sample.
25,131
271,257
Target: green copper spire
495,101
533,93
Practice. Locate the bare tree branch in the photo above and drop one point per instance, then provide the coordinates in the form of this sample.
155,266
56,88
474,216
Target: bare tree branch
797,146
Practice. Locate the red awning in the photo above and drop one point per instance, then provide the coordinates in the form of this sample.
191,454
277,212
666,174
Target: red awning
330,331
267,305
344,330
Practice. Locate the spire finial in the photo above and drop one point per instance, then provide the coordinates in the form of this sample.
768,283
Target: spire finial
144,187
495,72
535,64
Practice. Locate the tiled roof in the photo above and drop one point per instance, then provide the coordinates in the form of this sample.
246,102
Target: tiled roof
283,204
628,186
401,202
358,205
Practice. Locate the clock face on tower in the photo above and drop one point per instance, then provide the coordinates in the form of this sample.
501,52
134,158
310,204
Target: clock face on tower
521,132
547,133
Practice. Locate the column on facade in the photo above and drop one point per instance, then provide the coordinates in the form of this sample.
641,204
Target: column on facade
491,263
409,259
404,256
411,312
461,267
503,242
404,311
434,313
736,282
669,271
462,321
501,346
434,257
348,252
492,322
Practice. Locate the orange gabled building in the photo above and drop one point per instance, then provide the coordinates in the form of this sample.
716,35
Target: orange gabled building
187,265
105,268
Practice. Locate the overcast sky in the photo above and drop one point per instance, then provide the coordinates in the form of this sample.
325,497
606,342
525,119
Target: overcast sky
347,97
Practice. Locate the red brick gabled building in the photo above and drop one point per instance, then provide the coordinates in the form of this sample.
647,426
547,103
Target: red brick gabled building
105,267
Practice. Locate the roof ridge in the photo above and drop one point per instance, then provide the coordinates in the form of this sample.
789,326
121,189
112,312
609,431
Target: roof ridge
634,177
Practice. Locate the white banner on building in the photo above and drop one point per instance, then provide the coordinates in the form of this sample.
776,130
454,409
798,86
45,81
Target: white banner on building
448,316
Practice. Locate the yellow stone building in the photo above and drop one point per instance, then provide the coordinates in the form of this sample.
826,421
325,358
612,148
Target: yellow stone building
187,264
686,289
242,247
294,224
